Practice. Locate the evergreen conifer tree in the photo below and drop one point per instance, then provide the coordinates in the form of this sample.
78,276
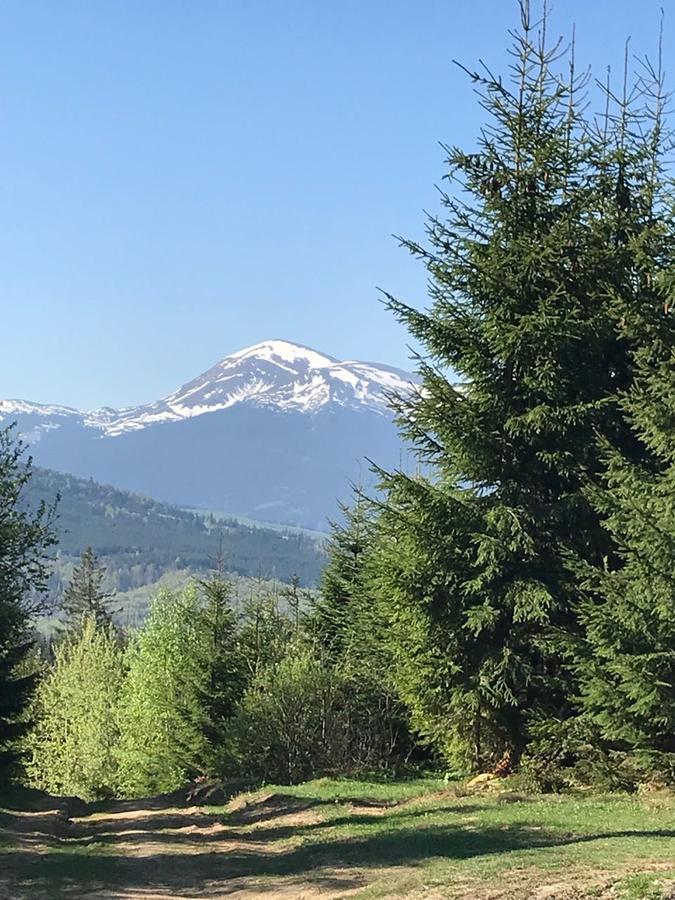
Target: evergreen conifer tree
295,599
264,631
544,282
334,610
84,597
223,662
25,539
627,661
349,628
15,689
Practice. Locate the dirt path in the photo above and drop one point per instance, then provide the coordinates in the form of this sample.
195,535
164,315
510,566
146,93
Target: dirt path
274,846
180,847
155,851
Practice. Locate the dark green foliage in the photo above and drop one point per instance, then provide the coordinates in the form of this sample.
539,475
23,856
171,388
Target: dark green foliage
15,691
26,532
571,754
349,628
25,539
545,280
628,669
264,631
295,599
84,598
334,609
224,663
627,660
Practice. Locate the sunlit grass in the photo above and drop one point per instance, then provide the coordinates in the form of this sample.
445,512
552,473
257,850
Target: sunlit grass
385,838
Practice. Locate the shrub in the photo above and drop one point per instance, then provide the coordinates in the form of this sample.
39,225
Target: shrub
290,723
71,746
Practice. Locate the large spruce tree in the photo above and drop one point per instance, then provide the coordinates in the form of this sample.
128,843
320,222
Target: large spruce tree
627,660
545,283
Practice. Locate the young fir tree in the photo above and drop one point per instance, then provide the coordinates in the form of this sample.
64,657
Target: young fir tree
84,597
162,712
223,662
295,600
334,610
25,539
543,275
71,743
347,625
264,630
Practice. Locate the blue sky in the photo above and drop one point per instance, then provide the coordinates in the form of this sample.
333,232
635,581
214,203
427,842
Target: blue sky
181,178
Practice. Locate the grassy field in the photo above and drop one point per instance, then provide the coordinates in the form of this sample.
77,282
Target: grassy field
338,838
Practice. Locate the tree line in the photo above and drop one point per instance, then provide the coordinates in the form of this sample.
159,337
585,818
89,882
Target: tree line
199,691
511,605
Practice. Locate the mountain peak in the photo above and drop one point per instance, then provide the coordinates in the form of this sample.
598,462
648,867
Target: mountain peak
280,350
276,374
274,431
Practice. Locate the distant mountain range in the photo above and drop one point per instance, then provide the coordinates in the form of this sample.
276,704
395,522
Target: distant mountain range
274,432
139,539
144,545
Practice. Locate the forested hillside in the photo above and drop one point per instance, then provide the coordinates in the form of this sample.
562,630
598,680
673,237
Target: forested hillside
139,540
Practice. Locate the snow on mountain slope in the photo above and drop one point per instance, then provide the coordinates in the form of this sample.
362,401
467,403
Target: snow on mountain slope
274,374
26,408
276,432
277,374
37,418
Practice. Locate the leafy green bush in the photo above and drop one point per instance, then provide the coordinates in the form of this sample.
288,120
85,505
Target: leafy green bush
290,723
71,746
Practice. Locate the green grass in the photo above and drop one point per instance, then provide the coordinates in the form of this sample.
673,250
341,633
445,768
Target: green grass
644,887
385,838
450,839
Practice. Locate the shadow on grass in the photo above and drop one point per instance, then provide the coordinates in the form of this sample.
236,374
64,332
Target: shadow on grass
194,852
18,799
179,829
62,874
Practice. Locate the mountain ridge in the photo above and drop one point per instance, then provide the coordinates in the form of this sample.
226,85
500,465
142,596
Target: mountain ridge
276,431
254,375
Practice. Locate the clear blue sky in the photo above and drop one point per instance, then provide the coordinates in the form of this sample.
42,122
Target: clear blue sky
181,178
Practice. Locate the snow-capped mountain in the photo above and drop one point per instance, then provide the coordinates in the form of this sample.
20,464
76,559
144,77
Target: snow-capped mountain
275,431
275,374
